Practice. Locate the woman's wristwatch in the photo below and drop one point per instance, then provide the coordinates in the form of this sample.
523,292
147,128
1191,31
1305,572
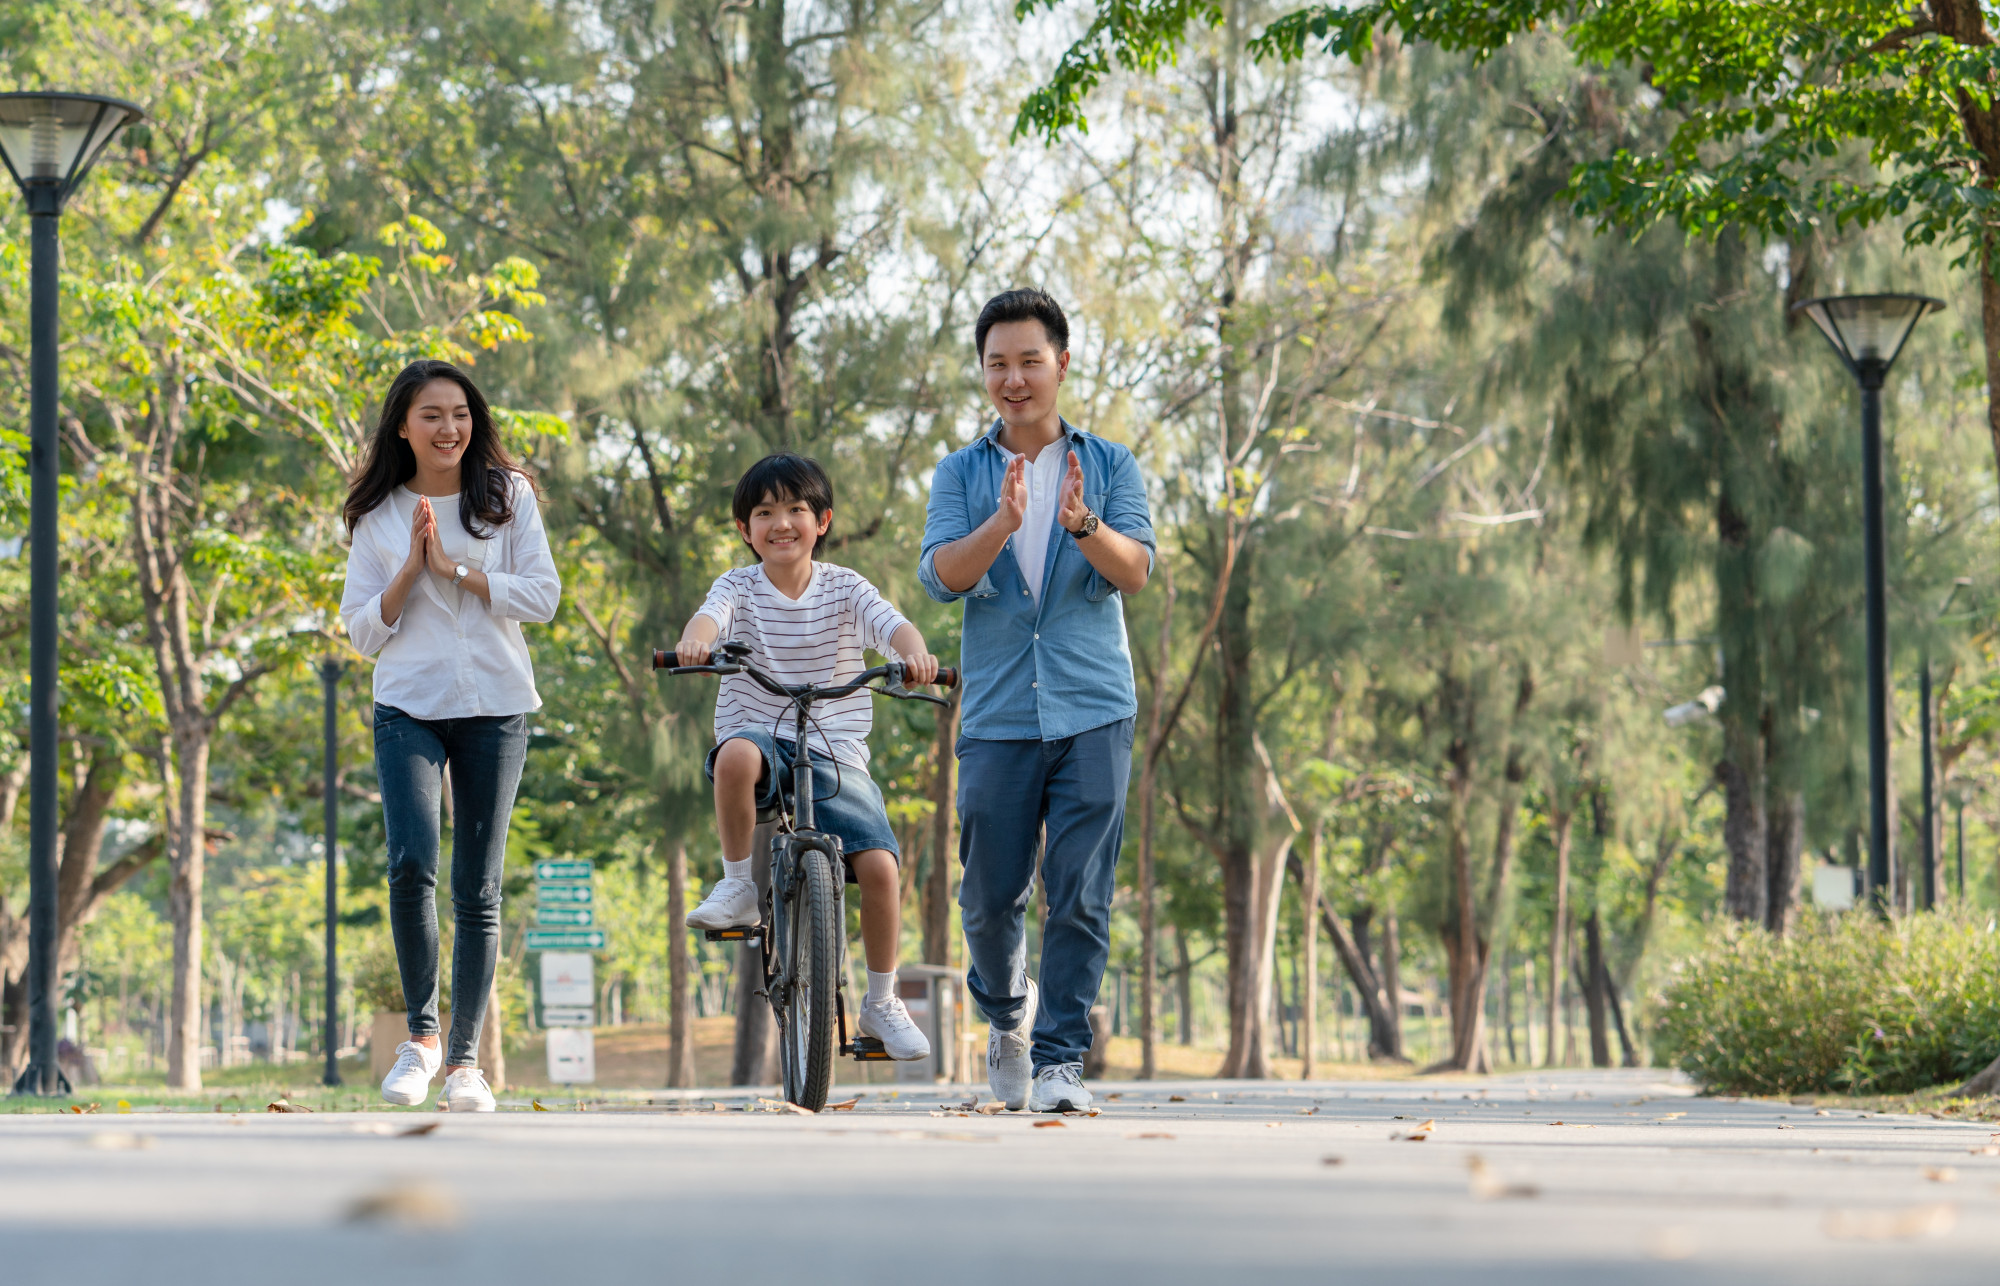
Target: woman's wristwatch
459,572
1086,527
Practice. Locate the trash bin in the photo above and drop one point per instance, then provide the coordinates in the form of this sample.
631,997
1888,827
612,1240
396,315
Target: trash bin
931,993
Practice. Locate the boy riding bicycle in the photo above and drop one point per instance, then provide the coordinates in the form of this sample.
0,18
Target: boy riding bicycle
805,622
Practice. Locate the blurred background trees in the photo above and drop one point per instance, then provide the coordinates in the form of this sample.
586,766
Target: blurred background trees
1457,496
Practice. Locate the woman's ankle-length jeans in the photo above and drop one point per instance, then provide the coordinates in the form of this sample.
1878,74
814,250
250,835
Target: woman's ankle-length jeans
485,754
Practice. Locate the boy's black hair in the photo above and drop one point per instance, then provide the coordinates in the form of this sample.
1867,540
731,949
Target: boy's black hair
1022,305
784,476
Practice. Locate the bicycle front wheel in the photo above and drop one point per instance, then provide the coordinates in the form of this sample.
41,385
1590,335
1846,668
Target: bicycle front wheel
807,1033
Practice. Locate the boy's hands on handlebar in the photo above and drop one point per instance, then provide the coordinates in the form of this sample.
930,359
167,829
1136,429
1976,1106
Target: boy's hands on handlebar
919,666
697,645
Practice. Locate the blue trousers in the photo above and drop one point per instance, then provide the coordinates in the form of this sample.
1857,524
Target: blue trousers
1008,793
485,754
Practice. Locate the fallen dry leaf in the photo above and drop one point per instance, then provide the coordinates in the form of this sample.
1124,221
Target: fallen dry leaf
1149,1134
538,1106
416,1204
1408,1138
990,1109
780,1105
1333,1160
848,1106
1176,1098
1671,1116
1940,1174
118,1141
84,1109
1429,1125
1308,1111
1891,1225
1119,1095
417,1131
282,1106
1050,1125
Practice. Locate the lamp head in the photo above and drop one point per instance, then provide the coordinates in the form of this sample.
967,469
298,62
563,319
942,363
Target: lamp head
1868,331
49,141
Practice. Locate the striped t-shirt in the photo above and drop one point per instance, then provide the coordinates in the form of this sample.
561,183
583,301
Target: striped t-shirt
817,638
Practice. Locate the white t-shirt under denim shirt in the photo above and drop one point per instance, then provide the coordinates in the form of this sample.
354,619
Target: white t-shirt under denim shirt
816,638
450,655
1044,476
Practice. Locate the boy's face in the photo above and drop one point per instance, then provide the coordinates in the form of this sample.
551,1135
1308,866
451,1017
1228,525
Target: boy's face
1023,370
783,532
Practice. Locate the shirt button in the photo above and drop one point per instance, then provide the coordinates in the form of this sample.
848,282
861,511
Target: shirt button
1034,685
1038,636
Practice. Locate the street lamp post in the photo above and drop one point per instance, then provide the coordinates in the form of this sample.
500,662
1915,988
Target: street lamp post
48,142
1868,331
329,675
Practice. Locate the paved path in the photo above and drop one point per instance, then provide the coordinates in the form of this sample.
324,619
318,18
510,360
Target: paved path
1579,1177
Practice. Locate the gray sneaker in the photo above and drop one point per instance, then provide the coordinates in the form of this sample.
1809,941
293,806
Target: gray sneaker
1059,1088
1008,1067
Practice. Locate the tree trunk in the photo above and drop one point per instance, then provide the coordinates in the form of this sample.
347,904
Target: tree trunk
1149,933
1183,989
944,786
1241,812
1462,930
1561,818
1392,986
1783,852
1595,978
188,859
680,1025
1309,927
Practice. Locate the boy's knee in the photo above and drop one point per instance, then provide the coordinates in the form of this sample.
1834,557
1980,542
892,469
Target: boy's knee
876,872
738,763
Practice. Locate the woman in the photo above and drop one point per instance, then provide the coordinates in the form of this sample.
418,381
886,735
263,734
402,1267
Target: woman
448,558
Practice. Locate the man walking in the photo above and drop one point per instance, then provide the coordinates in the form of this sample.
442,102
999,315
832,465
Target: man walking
1039,527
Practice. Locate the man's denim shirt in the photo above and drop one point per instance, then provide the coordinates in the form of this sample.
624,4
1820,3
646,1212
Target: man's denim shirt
1049,671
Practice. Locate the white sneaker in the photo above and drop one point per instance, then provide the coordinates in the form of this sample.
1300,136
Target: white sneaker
465,1091
409,1081
890,1023
731,904
1059,1088
1008,1067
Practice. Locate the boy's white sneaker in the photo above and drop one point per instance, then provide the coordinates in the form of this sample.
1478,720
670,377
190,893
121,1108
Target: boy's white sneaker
465,1090
731,904
1059,1088
409,1081
1008,1066
889,1022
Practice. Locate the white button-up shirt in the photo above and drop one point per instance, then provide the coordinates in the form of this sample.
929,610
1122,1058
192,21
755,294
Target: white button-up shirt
436,662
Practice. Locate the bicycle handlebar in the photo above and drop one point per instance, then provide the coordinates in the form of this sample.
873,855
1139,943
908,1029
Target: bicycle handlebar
947,677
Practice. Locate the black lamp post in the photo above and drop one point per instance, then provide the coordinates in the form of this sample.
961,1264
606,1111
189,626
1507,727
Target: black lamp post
1868,331
329,674
48,142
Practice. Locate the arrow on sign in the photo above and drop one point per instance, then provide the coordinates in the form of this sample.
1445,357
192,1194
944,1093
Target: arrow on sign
574,870
573,917
566,939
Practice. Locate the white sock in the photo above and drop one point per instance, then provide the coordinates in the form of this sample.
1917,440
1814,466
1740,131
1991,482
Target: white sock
738,870
881,986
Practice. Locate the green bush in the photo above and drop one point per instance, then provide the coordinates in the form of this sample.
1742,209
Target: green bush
1844,1004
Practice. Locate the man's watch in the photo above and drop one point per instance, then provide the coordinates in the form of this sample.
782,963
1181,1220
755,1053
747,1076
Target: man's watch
459,572
1086,527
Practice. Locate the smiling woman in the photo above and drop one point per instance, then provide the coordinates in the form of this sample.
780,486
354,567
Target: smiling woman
448,559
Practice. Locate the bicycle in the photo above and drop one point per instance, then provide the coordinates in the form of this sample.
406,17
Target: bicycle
803,930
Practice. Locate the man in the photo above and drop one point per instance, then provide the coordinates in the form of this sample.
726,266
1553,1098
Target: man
1039,528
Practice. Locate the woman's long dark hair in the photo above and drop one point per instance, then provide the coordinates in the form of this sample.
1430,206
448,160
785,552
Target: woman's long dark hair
485,494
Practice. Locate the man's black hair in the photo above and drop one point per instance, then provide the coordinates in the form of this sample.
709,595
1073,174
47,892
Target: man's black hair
1022,305
784,476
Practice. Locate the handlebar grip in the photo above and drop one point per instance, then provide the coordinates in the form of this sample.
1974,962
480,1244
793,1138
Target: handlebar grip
947,676
662,658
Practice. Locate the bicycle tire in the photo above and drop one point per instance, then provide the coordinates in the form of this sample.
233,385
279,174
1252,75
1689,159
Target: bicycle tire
807,1027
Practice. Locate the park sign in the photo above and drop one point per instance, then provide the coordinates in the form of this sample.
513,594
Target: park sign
569,870
565,917
566,939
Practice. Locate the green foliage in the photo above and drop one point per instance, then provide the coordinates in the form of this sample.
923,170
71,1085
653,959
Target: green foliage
1848,1004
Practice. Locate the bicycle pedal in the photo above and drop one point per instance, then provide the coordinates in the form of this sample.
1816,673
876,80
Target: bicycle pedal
748,933
867,1049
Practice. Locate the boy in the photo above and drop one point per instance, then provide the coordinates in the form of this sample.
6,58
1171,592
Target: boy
805,622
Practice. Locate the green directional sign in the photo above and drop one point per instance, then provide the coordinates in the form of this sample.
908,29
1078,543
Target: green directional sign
576,893
572,917
566,939
577,870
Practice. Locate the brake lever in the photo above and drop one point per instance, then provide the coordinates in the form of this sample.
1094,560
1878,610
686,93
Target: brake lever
892,686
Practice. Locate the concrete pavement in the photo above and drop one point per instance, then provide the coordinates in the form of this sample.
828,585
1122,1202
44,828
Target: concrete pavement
1571,1177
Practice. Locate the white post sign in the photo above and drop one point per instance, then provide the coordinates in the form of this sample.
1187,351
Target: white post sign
572,1056
567,978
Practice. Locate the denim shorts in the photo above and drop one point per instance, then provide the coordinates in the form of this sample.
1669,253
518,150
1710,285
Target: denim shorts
846,800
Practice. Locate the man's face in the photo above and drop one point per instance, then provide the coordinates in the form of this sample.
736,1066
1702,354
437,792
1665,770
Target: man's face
1023,371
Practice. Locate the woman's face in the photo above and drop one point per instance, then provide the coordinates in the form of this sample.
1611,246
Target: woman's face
438,427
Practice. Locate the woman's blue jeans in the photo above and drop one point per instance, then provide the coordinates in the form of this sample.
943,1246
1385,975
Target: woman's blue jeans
485,756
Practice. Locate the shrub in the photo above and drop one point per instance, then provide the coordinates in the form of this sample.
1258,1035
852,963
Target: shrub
1845,1004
